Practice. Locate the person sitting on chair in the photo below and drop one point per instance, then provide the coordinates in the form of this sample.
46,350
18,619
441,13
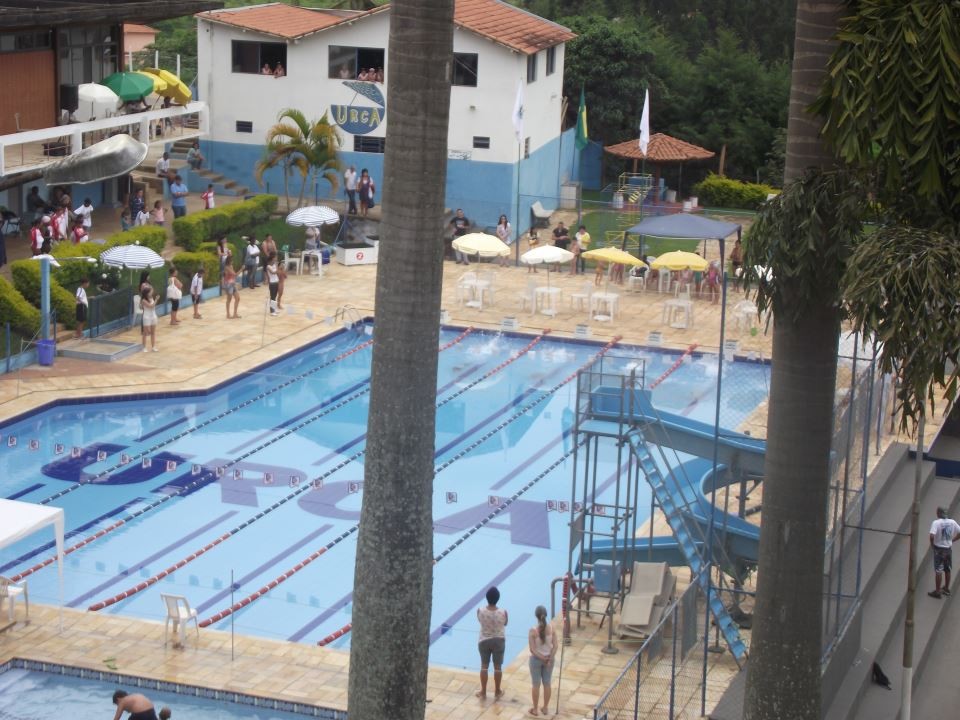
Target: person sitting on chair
194,156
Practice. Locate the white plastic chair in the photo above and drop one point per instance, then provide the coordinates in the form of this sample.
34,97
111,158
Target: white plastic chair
581,300
466,284
529,296
485,285
10,591
294,261
179,613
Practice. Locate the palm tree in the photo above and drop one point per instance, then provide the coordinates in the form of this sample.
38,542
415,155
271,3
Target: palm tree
297,144
783,676
394,564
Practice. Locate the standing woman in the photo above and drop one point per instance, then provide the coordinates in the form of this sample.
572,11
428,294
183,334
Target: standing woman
230,290
174,293
149,327
543,647
223,254
493,623
273,279
366,190
144,281
503,232
267,248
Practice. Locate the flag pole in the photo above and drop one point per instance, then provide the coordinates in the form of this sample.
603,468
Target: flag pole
516,245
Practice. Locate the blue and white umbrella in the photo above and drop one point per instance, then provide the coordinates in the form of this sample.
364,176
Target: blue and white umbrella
133,257
313,216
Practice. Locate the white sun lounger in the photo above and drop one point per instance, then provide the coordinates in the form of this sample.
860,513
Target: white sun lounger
652,588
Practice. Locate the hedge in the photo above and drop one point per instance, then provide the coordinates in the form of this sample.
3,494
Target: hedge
721,192
69,274
192,230
187,264
26,278
150,236
15,309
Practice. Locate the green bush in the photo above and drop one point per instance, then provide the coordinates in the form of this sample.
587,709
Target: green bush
187,264
14,309
192,230
26,278
721,192
150,236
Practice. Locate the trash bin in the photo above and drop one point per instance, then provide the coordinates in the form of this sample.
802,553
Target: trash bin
325,256
46,349
618,201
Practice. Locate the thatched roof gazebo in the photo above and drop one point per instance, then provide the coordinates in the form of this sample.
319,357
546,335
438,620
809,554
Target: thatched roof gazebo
662,150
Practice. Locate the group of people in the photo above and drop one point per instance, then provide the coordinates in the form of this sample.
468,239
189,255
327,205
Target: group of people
359,187
256,256
541,641
54,222
277,70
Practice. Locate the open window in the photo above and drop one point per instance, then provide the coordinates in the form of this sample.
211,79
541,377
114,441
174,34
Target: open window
255,57
465,69
356,63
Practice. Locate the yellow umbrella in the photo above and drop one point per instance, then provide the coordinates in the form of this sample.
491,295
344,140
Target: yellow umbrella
613,255
176,89
159,84
482,245
680,260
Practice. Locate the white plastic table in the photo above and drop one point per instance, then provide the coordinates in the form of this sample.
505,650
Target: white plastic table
603,306
547,299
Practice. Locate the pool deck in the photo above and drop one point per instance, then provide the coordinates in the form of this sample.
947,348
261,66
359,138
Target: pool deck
199,354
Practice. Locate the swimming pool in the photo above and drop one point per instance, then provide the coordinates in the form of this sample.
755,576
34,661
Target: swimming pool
36,691
264,476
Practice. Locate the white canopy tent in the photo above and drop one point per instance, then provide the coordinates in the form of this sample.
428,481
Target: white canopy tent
20,519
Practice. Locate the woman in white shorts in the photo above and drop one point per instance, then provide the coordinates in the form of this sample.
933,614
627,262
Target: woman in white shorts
149,327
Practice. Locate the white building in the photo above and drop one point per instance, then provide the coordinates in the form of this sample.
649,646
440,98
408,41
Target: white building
496,45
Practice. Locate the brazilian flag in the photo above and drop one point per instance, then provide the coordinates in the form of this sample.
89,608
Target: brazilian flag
581,136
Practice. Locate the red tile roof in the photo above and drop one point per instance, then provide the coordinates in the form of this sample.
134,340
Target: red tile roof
286,21
137,28
499,21
662,148
510,26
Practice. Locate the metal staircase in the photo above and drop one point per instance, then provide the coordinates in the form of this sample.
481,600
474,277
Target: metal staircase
675,502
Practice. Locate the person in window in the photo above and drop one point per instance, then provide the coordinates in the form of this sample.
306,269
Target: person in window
363,75
372,75
379,78
345,73
278,71
366,189
266,69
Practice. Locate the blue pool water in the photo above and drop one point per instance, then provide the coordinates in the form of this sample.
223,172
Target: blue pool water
268,471
33,695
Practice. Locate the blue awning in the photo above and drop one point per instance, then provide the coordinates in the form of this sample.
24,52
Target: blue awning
684,225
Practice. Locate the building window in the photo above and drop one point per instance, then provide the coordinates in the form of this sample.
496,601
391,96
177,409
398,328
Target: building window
365,144
481,143
465,69
245,126
87,54
551,60
532,68
254,57
355,63
26,41
526,148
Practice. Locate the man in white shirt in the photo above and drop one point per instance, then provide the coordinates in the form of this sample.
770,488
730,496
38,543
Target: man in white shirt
82,307
943,532
85,213
163,167
350,184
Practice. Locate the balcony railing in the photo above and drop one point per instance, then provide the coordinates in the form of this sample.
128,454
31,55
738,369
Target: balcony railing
32,149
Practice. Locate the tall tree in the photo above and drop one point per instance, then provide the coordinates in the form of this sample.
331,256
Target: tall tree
783,676
394,565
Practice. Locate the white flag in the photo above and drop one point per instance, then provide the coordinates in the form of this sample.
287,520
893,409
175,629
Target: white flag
645,123
518,113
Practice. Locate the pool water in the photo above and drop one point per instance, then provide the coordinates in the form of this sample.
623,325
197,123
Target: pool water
32,695
266,473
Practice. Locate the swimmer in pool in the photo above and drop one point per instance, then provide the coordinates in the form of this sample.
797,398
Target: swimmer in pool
139,707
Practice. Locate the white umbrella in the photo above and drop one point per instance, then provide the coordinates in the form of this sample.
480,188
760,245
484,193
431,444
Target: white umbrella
134,257
313,216
95,101
481,245
546,255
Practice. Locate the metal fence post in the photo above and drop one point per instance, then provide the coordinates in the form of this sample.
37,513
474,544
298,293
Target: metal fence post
636,693
673,658
9,350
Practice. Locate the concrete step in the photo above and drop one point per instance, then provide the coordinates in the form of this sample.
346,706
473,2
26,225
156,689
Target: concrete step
884,563
97,349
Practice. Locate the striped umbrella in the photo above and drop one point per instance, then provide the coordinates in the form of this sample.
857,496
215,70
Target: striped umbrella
134,257
313,216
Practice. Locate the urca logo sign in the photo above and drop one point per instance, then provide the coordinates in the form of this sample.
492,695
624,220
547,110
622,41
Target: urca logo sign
360,119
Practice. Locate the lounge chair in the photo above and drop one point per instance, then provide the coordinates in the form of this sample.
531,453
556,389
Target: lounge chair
652,587
541,216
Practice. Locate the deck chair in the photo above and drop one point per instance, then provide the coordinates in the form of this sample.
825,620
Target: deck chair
10,222
541,216
179,613
10,591
652,586
291,261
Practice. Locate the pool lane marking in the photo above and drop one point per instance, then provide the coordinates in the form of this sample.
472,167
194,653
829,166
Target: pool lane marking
72,533
25,491
138,456
147,560
673,368
287,383
321,618
263,567
203,424
461,611
240,604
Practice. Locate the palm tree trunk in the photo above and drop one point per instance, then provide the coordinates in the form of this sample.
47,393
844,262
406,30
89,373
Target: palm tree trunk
394,567
783,676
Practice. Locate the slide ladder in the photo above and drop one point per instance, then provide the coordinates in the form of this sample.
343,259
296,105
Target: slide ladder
675,504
